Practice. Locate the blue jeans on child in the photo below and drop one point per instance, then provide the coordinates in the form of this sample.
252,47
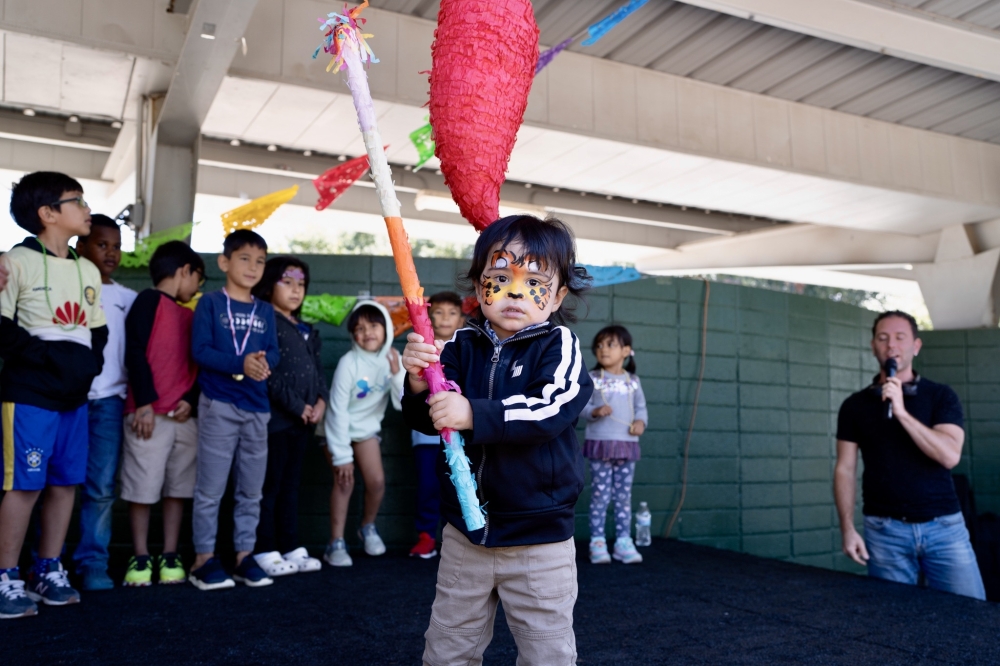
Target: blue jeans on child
939,549
98,492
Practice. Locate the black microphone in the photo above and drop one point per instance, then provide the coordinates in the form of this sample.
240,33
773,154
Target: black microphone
890,371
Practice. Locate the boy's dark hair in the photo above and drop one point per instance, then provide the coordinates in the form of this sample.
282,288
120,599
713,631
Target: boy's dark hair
369,313
446,297
173,255
41,188
548,240
624,338
98,220
902,315
274,270
240,239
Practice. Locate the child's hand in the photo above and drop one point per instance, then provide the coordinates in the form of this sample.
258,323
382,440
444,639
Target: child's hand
319,409
343,475
4,274
418,355
450,410
182,412
143,422
307,414
637,428
393,357
603,410
255,366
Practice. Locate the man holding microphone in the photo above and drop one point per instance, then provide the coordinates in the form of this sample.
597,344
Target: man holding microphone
910,432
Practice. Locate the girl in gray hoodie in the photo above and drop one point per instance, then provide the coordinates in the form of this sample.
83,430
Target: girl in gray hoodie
367,377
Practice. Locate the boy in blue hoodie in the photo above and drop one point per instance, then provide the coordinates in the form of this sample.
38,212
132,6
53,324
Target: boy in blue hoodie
366,378
234,343
52,338
523,385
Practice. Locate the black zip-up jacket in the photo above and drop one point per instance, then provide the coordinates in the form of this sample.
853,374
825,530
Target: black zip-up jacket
526,396
298,379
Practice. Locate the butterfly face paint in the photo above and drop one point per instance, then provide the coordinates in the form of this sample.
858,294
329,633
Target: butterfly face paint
294,273
516,277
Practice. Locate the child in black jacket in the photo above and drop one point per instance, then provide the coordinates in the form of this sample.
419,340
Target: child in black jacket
298,394
523,384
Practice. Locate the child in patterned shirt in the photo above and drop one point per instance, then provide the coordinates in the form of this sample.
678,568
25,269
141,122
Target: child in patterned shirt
616,416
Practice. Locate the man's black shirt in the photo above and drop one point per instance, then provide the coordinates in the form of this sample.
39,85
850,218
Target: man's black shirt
899,480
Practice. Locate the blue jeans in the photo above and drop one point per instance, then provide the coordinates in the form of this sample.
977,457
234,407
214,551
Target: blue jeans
939,549
98,492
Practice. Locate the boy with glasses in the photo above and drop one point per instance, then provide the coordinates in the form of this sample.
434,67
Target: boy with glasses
52,338
161,432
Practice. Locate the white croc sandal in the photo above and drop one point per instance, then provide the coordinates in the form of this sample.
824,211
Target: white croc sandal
274,564
300,558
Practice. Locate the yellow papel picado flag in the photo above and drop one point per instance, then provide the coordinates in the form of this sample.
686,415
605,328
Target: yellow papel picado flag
254,213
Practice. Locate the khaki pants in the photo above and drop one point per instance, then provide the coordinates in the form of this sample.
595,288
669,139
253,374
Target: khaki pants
537,585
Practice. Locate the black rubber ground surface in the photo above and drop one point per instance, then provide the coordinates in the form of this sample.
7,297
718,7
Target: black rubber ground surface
684,605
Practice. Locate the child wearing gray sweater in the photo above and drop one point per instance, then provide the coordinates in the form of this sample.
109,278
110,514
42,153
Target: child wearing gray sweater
616,416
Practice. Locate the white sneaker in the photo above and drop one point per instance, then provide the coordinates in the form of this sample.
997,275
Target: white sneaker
625,551
374,546
336,554
599,551
274,564
300,558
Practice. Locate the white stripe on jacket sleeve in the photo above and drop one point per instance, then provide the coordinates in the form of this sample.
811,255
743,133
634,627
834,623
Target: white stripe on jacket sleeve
565,381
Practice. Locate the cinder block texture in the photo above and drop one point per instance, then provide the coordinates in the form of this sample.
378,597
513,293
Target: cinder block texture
760,456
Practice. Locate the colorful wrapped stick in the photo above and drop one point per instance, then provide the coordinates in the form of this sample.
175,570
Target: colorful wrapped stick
345,42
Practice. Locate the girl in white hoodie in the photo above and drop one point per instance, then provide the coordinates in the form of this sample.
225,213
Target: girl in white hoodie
366,378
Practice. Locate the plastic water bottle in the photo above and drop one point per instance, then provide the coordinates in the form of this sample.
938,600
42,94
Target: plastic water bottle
643,520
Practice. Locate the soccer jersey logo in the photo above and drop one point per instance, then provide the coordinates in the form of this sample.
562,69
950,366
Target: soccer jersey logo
90,294
70,314
34,459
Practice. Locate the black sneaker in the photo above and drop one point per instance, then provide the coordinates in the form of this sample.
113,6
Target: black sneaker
250,574
211,576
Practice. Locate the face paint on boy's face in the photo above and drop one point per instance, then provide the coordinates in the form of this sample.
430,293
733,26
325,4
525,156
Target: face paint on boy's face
517,278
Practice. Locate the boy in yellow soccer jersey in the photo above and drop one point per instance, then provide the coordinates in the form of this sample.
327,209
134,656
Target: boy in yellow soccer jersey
52,337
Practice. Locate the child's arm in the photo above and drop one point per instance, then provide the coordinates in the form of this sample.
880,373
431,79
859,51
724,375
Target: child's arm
138,330
16,342
202,351
271,347
595,403
98,322
320,388
551,403
336,426
396,381
639,403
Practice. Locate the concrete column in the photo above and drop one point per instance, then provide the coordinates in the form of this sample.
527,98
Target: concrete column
172,136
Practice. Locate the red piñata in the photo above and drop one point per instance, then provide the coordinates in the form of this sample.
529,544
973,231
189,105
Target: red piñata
484,58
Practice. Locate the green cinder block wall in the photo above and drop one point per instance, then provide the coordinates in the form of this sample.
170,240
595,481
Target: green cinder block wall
762,451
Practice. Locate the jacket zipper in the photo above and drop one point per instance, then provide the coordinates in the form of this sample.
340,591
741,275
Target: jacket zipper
482,462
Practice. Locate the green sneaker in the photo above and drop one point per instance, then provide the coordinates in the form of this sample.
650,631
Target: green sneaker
140,571
171,569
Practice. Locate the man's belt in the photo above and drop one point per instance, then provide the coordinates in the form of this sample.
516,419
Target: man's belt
911,520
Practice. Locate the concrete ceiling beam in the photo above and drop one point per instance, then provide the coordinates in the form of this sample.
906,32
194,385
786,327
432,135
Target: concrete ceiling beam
890,28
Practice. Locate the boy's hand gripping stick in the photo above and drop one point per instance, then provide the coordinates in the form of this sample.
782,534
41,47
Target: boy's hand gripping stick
344,40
